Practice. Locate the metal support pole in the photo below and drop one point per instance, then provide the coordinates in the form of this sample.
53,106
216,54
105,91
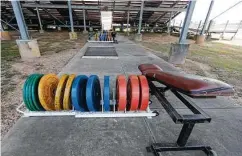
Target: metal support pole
9,25
40,23
84,19
207,17
11,19
140,16
169,24
55,18
70,15
240,24
128,23
211,23
1,27
222,36
187,21
180,26
198,26
20,19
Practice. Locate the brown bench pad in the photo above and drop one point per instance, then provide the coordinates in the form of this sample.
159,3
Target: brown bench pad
148,67
192,85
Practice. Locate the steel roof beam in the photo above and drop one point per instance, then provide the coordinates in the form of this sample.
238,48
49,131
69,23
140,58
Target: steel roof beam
86,7
166,12
53,16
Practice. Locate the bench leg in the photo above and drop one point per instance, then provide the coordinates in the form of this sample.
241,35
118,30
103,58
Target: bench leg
184,134
157,148
180,145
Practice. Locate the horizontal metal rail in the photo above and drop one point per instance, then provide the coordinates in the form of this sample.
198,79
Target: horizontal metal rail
98,114
112,114
86,7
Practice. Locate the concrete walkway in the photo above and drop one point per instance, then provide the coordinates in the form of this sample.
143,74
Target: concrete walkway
68,136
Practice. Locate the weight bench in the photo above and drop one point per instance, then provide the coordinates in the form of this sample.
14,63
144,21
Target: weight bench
183,84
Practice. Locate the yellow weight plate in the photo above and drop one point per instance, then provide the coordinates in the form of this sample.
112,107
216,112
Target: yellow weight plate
67,94
60,92
46,91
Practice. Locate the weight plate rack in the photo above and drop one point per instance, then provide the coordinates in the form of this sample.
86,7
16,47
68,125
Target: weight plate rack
100,37
81,96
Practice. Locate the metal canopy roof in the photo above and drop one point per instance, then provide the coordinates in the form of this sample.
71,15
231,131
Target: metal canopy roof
154,11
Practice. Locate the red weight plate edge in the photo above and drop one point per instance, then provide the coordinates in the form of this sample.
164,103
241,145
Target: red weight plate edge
121,92
144,93
134,93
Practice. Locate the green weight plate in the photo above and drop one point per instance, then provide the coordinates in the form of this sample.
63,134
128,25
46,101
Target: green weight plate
34,92
28,92
26,102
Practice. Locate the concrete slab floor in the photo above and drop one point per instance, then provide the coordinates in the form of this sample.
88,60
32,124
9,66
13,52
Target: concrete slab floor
68,136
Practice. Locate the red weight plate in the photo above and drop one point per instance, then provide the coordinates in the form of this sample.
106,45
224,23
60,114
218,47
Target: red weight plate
121,92
144,93
133,93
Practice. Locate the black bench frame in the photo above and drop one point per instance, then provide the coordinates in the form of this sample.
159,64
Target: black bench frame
188,121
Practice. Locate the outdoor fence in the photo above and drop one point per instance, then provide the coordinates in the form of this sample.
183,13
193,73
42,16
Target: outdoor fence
212,27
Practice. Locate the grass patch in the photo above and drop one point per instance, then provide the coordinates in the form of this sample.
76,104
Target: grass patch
9,50
227,57
217,55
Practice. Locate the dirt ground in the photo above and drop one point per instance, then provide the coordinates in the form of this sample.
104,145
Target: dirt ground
214,60
56,50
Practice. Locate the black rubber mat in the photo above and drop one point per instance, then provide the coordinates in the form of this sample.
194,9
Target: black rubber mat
101,51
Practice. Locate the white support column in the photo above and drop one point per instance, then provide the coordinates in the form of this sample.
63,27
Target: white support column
141,16
178,51
138,36
128,24
84,21
70,15
72,34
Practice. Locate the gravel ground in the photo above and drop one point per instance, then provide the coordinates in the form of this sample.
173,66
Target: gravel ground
50,62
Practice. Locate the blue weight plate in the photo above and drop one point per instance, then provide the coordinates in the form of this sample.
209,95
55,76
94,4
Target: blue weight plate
104,36
78,93
93,93
106,94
